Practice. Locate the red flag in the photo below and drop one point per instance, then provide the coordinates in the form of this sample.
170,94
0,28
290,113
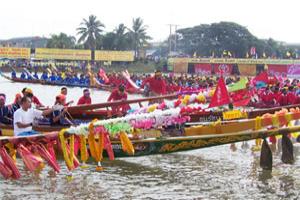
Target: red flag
221,95
261,77
243,102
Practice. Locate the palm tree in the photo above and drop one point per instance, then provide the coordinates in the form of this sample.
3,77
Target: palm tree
121,37
139,35
62,41
90,30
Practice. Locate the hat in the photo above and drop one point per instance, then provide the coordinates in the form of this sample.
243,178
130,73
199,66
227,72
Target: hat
28,90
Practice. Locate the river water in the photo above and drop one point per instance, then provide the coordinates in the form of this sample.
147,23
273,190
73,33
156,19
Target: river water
211,173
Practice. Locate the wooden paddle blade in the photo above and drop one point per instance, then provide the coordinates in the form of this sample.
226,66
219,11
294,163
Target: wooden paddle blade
266,159
298,139
287,155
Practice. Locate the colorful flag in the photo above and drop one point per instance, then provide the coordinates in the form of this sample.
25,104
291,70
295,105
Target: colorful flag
221,96
262,77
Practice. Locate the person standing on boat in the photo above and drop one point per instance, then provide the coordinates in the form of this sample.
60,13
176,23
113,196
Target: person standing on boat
157,85
119,94
24,117
85,99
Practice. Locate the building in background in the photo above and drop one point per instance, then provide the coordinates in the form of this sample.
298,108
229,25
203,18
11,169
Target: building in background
28,42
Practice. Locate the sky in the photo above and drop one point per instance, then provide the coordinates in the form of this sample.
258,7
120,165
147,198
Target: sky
278,19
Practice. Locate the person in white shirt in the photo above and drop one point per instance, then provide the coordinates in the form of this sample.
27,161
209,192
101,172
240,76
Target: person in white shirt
24,118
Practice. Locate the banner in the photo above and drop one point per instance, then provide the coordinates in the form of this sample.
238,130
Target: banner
125,56
62,54
247,70
277,70
246,61
293,71
203,69
224,69
11,52
181,67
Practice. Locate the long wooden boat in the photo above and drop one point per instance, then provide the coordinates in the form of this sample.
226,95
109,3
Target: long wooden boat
164,145
43,82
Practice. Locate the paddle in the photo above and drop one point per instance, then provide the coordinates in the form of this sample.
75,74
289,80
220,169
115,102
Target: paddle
74,109
287,155
266,159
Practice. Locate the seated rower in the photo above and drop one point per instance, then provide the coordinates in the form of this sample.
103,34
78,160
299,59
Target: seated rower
28,92
23,76
5,113
35,75
44,76
24,117
119,95
64,91
13,74
85,99
58,116
16,104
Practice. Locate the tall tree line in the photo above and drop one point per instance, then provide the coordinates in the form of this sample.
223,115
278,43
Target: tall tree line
91,36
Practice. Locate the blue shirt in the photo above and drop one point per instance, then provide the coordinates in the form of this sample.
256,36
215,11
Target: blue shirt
5,113
13,74
23,76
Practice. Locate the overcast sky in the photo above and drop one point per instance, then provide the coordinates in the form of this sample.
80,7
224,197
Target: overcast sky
278,19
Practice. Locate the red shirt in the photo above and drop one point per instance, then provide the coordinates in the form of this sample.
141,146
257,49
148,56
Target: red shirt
36,101
116,95
84,100
291,98
283,100
157,86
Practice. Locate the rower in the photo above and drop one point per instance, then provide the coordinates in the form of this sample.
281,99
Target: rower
16,104
5,114
64,91
25,116
13,74
23,76
58,116
85,99
119,95
44,76
28,93
36,76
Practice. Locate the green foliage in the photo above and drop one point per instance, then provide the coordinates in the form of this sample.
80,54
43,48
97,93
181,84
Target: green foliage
217,37
61,41
90,31
138,35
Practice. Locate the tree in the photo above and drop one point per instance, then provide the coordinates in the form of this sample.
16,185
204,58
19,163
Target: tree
138,35
121,38
90,31
61,41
